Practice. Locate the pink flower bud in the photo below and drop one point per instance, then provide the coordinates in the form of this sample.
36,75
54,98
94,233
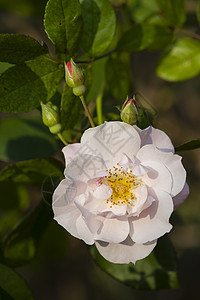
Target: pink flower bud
73,74
129,112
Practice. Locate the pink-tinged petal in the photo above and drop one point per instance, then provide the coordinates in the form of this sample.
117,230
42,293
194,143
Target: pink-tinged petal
156,137
70,151
125,252
110,140
114,230
84,167
84,233
159,177
178,173
103,192
178,199
153,222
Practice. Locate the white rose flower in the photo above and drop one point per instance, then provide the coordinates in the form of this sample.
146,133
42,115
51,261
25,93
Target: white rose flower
121,186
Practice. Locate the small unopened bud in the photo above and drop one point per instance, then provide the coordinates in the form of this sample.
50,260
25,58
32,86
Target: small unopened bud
129,112
50,117
73,74
79,90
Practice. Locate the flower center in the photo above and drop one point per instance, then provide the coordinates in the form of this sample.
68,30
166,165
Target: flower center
123,185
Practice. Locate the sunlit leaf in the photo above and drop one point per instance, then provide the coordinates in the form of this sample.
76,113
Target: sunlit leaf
17,48
13,285
63,24
22,87
99,23
155,272
180,61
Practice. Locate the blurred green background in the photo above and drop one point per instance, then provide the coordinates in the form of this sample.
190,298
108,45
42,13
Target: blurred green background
63,268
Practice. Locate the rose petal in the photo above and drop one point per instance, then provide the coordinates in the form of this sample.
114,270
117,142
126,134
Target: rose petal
141,196
103,192
159,176
70,151
171,161
113,230
84,233
125,252
110,140
84,167
156,137
153,222
178,199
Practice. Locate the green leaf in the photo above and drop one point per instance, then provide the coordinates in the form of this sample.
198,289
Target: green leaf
145,36
173,11
4,66
145,11
17,48
13,284
195,144
118,75
98,79
32,171
180,61
63,25
70,108
20,245
155,272
12,210
99,24
24,85
23,139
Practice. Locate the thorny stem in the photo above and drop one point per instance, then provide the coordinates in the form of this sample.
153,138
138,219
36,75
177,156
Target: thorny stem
62,139
87,111
95,58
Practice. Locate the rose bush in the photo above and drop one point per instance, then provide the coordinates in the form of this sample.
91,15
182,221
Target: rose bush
121,186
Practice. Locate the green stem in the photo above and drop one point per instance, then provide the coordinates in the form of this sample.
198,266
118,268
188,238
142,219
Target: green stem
87,111
99,108
95,58
189,33
62,139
